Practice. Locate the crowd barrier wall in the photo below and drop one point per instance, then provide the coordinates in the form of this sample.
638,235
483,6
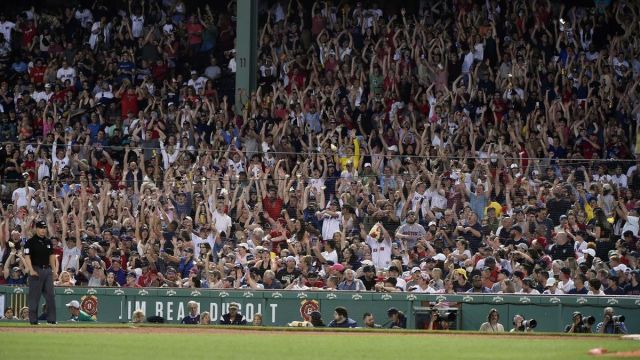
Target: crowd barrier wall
116,305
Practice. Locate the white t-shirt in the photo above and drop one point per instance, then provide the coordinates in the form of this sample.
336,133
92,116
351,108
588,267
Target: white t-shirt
330,256
41,95
467,63
198,84
5,29
237,167
566,286
532,292
428,290
232,65
106,94
417,197
223,222
137,25
167,28
66,74
61,162
197,240
331,225
380,252
620,180
70,257
84,16
631,224
478,51
557,291
317,183
437,200
401,283
19,196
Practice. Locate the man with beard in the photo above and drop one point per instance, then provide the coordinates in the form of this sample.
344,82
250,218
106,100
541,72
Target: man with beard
368,277
410,231
379,241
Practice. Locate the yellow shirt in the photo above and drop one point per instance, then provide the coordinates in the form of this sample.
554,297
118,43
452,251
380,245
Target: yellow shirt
355,159
588,210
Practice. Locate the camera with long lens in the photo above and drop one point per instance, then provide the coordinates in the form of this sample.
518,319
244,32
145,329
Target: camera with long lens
618,318
449,316
528,324
446,316
589,320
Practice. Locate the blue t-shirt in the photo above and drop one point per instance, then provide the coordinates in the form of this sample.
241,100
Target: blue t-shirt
191,320
93,130
126,67
349,323
22,280
120,276
478,204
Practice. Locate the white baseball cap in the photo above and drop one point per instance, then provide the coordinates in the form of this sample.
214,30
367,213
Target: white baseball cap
74,304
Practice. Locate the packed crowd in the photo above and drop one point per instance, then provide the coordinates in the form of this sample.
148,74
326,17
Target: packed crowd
449,146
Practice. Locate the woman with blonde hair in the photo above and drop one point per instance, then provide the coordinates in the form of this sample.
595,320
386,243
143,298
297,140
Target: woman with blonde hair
64,279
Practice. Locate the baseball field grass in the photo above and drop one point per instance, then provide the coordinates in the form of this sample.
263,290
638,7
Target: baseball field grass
171,342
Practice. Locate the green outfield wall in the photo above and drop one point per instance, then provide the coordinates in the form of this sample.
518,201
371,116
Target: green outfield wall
116,305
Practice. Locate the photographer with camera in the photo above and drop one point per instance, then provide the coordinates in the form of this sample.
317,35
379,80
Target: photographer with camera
580,324
439,321
522,325
611,324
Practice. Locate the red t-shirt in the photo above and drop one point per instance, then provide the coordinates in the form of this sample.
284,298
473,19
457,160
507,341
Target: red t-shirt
588,150
317,24
147,279
275,244
273,208
30,167
37,74
129,103
195,33
104,166
28,33
159,72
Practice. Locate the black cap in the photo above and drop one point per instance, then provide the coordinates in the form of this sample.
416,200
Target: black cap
368,268
392,311
41,225
315,315
131,273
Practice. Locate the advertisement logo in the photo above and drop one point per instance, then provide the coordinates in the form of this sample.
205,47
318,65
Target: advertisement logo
89,304
307,307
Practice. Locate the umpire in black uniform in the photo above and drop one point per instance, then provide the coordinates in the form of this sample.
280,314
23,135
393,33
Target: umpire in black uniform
42,267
